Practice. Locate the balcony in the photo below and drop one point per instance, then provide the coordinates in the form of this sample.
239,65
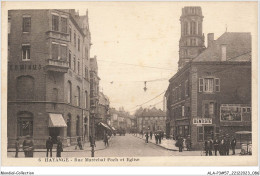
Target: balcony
57,66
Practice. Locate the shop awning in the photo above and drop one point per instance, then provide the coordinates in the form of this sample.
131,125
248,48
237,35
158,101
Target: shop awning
56,120
113,128
104,125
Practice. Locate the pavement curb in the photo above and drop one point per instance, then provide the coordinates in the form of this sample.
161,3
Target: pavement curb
158,145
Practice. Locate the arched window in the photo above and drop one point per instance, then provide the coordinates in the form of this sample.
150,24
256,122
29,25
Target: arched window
77,126
185,28
25,87
193,27
69,92
69,125
78,96
25,124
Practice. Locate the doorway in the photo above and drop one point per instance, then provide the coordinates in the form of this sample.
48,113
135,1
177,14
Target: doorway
208,132
54,132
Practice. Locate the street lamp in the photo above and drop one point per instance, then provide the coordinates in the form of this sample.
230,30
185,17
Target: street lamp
92,112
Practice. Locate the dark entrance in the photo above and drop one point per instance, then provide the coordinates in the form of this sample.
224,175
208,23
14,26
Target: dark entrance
208,132
54,132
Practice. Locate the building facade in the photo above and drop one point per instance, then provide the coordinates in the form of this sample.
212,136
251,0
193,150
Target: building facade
48,80
210,96
150,120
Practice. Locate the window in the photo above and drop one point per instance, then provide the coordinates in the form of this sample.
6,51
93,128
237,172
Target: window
209,110
86,52
180,130
193,27
69,125
63,25
55,22
200,134
69,92
187,88
55,95
26,52
74,63
70,33
55,50
63,52
79,44
78,67
70,59
86,72
25,124
25,87
26,24
182,111
78,96
208,84
185,28
186,130
75,38
77,126
179,92
86,99
217,85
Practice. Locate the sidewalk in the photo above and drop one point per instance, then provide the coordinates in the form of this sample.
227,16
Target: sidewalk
168,144
86,147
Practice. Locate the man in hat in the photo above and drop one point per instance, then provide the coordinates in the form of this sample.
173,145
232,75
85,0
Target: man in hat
233,145
17,146
216,145
59,147
188,143
49,145
227,146
28,146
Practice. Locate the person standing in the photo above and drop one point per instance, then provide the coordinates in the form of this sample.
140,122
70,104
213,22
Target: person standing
59,147
227,146
79,143
156,138
49,145
233,145
146,137
188,143
160,138
106,140
206,146
210,147
180,144
17,146
28,146
216,146
221,147
151,135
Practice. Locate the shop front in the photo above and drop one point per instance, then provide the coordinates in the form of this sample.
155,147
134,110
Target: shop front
56,126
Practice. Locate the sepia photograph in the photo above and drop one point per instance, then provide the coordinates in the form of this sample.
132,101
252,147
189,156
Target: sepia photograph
129,83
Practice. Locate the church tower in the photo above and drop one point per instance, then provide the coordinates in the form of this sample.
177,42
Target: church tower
191,43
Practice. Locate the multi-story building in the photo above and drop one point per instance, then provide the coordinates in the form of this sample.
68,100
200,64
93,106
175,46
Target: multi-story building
151,120
48,81
94,96
210,96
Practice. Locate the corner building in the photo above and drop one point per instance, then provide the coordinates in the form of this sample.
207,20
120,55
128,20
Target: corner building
48,77
210,96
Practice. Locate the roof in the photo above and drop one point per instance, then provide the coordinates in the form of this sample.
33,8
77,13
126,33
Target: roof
103,99
154,112
238,48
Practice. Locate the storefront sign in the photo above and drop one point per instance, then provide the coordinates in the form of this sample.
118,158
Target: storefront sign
231,112
24,67
200,121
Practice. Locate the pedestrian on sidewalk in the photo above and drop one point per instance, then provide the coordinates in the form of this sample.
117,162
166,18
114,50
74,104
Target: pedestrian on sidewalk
233,145
151,135
188,143
156,138
180,143
146,137
49,145
79,143
216,143
59,147
160,138
28,146
17,146
227,145
106,140
221,147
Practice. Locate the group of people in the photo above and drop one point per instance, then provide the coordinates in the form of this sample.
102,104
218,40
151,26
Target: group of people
182,143
28,146
158,137
222,146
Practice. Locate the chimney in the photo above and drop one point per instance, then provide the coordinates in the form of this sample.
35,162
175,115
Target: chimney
210,39
223,52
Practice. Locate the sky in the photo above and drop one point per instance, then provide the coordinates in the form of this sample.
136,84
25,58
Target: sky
147,34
